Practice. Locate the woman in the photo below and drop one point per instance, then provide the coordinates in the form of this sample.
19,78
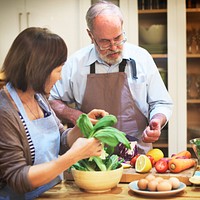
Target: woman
31,136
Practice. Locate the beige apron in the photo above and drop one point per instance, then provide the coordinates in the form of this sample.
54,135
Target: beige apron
110,91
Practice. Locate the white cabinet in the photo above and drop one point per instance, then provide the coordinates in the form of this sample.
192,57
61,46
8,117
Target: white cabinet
10,23
177,74
64,17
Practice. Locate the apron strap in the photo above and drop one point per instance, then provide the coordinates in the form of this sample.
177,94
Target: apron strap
122,66
134,70
92,68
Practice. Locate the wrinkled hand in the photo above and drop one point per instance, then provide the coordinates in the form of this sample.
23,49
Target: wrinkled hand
95,114
86,148
152,132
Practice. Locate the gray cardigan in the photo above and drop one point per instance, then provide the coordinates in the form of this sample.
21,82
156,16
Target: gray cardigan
15,156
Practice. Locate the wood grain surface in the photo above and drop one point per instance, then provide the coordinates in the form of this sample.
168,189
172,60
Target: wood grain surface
68,190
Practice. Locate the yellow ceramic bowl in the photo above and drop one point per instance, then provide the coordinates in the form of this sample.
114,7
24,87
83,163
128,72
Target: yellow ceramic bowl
97,181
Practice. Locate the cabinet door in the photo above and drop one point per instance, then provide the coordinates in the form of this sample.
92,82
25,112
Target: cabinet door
152,26
193,70
61,17
11,22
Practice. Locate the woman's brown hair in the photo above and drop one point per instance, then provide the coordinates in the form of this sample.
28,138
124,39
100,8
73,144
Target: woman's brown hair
32,57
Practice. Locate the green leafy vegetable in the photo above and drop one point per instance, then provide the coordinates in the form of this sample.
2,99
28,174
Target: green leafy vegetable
108,135
113,162
197,143
85,125
108,120
99,163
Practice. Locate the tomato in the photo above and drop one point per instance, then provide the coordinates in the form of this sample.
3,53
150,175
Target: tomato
161,166
151,159
133,160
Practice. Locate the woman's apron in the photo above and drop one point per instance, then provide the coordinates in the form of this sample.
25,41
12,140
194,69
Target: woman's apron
45,136
110,91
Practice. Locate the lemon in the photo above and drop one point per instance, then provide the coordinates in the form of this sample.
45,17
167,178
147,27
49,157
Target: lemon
143,164
126,165
157,154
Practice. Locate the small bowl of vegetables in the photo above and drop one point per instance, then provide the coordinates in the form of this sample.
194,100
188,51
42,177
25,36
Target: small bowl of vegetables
196,147
99,174
97,181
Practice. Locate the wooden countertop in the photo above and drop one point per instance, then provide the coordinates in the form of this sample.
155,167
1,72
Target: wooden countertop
69,190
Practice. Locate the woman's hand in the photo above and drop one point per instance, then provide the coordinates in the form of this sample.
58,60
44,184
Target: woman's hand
95,114
86,148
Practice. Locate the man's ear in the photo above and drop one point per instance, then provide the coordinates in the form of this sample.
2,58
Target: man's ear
90,35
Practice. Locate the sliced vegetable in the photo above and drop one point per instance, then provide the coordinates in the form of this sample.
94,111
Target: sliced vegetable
178,165
161,166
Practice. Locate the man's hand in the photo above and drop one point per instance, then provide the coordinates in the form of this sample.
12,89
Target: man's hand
95,114
153,131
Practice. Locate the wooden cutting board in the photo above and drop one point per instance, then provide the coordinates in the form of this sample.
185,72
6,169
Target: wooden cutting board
130,175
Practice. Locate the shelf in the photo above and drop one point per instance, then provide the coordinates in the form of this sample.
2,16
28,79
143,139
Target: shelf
160,145
193,101
152,11
159,55
193,10
193,55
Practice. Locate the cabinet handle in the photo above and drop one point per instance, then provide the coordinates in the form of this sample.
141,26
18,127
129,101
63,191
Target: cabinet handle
20,21
27,19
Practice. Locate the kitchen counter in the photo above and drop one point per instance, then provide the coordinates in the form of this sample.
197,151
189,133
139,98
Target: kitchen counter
69,190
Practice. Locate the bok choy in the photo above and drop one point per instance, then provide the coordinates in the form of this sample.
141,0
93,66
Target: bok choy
110,137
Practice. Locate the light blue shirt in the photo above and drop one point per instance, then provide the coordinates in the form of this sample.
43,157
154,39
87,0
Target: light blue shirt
148,91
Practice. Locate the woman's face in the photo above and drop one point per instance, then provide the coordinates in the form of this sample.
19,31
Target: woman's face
53,77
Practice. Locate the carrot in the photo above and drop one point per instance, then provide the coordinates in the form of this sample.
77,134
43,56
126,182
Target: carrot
182,154
178,165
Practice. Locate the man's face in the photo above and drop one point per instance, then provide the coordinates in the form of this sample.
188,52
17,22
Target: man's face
108,38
